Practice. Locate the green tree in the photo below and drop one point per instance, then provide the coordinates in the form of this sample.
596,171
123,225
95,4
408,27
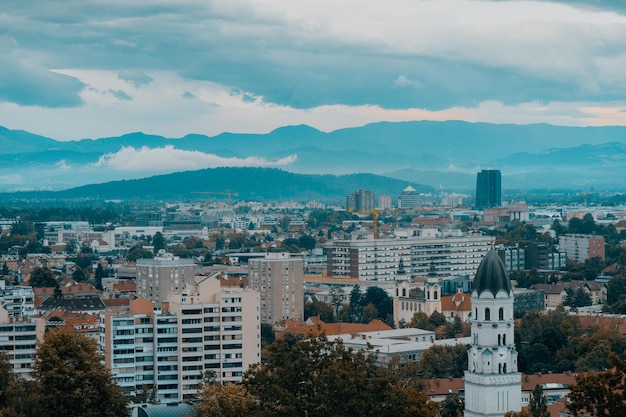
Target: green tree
267,333
319,308
73,381
42,277
319,378
452,406
158,242
379,299
577,298
538,403
79,275
355,303
306,242
336,298
98,275
440,361
137,252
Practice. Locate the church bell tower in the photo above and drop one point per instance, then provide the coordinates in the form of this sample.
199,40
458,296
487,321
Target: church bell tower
493,385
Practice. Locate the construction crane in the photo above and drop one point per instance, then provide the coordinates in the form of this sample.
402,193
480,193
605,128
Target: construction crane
227,193
374,214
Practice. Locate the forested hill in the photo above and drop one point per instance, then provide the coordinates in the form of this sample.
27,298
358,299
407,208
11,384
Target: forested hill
266,184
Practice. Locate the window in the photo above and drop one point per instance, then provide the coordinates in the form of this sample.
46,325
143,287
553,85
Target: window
487,314
501,314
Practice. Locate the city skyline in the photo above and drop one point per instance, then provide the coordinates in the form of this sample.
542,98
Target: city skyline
85,69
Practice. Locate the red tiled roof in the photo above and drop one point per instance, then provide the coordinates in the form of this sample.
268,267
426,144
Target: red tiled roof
330,329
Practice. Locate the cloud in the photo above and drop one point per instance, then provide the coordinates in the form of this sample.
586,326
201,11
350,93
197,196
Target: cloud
169,159
403,81
27,84
137,78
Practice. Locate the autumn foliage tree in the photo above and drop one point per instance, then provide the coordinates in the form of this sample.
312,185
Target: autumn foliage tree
601,394
72,380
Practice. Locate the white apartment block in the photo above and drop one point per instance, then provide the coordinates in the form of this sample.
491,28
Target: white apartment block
378,259
18,339
207,328
578,247
18,301
279,279
163,275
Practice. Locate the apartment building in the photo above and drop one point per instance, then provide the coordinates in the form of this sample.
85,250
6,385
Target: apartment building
163,275
207,328
19,301
279,279
579,247
378,259
18,338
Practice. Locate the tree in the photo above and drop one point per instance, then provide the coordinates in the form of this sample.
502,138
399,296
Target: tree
158,242
137,252
577,298
379,298
420,320
79,274
538,403
98,275
320,378
600,394
452,406
232,400
306,242
42,277
441,361
336,298
267,333
355,303
319,308
5,269
73,381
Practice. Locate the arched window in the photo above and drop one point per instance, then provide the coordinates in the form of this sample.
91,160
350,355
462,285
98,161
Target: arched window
435,296
476,314
499,340
396,292
428,295
404,292
487,314
504,368
501,314
504,339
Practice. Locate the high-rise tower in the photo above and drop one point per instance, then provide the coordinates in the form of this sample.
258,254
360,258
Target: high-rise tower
488,188
493,385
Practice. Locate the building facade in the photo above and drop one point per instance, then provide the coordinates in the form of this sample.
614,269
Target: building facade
378,259
361,200
207,328
279,279
18,339
493,385
163,275
488,188
580,247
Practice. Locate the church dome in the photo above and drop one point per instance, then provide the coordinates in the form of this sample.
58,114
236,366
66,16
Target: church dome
491,275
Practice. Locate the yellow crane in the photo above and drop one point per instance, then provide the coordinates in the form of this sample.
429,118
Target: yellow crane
374,214
226,193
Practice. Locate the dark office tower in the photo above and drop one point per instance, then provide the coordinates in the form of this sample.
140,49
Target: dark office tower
488,189
361,200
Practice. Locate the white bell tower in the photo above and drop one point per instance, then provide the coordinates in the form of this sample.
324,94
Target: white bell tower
493,385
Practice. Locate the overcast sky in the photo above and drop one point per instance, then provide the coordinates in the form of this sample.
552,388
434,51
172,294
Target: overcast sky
72,69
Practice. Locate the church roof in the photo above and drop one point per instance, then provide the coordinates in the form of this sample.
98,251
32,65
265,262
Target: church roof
491,275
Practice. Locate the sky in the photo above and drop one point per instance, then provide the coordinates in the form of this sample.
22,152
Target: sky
73,69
